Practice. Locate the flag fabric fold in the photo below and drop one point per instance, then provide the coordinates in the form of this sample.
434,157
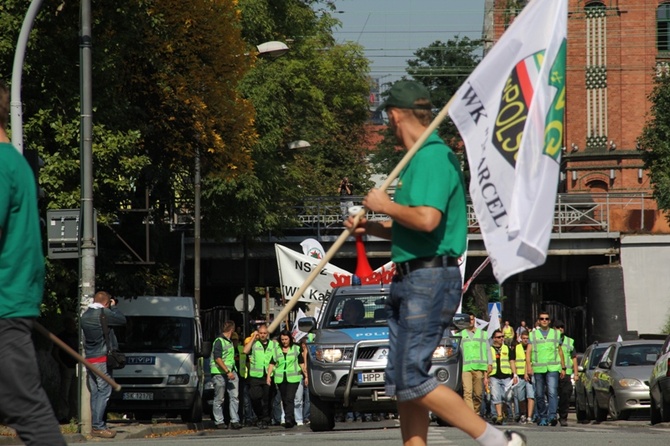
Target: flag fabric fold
510,114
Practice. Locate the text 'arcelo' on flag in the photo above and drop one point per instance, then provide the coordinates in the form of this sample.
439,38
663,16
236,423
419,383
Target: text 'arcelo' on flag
510,114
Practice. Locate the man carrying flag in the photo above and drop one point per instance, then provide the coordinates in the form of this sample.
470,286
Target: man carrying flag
428,233
510,115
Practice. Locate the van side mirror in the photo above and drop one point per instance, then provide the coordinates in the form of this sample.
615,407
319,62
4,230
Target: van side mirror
306,324
460,321
604,365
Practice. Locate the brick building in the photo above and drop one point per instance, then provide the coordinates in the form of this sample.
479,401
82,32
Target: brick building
615,50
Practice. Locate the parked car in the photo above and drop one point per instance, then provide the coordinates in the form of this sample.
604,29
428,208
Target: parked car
584,394
572,395
620,381
659,386
347,359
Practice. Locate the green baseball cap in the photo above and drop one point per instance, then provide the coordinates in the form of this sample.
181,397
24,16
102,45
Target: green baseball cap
403,94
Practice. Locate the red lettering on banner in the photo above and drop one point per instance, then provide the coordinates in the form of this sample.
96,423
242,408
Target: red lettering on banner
382,275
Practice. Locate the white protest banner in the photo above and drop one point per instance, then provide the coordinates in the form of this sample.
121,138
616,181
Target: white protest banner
510,115
294,268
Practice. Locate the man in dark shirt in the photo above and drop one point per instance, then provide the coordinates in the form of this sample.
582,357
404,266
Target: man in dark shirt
259,349
503,376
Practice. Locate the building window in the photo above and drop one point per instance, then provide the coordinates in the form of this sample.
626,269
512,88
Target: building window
663,27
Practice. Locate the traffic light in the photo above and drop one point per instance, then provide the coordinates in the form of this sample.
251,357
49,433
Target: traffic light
36,163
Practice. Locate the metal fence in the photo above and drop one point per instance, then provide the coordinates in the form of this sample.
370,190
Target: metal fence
614,212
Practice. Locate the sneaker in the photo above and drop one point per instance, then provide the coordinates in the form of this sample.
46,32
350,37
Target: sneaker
376,417
299,423
543,422
563,421
103,433
515,438
499,421
262,425
288,425
523,419
221,426
553,421
235,426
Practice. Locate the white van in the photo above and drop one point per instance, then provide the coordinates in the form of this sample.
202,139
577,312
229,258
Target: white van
162,340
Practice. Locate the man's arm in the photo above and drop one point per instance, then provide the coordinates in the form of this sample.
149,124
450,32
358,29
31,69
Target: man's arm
248,345
114,317
418,218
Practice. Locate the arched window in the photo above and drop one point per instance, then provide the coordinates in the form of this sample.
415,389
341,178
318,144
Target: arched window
663,27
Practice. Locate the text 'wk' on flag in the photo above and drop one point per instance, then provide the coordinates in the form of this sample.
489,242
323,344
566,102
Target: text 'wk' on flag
510,114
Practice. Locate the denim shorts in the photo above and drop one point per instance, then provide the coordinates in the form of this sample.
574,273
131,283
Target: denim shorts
501,390
419,310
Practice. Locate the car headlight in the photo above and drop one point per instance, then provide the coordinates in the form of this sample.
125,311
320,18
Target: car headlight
177,380
328,354
444,352
630,382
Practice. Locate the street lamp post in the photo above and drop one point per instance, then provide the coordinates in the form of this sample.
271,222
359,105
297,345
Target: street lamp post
272,49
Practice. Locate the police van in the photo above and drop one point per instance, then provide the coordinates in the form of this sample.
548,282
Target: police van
162,340
348,356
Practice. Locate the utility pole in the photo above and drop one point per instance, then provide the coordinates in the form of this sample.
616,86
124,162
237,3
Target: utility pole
87,258
196,231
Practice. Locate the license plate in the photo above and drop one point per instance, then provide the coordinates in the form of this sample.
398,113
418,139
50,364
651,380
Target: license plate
371,377
138,396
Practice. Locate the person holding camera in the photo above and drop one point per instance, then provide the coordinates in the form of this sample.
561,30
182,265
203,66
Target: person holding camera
95,349
346,191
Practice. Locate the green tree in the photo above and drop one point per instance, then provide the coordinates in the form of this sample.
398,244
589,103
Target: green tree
655,141
442,68
317,92
165,77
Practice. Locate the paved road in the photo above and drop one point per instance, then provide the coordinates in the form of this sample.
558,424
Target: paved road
387,433
636,432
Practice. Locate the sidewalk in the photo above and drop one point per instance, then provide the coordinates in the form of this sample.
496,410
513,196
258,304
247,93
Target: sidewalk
124,430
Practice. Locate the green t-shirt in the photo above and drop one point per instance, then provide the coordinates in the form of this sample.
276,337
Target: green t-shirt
21,259
433,177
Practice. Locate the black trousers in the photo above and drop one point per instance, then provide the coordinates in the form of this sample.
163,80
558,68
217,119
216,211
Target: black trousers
261,398
287,391
564,393
24,404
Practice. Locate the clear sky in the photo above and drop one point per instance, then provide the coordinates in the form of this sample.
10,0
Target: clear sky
392,30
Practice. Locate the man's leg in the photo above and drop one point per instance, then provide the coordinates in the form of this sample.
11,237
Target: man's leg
413,423
552,396
298,403
24,404
233,390
477,389
217,405
539,384
564,394
467,380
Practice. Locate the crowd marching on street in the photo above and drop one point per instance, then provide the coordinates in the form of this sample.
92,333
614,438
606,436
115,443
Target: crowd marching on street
259,381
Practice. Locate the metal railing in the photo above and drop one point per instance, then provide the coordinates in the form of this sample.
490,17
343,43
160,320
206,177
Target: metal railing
603,213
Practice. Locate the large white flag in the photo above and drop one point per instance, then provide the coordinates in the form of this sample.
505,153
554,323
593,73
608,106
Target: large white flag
510,115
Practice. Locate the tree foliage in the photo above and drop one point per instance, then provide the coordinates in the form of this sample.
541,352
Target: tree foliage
172,79
655,140
317,92
442,68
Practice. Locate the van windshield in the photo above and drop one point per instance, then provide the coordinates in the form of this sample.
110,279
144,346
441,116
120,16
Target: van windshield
356,311
155,334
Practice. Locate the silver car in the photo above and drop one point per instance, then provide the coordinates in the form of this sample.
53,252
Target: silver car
584,393
621,380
